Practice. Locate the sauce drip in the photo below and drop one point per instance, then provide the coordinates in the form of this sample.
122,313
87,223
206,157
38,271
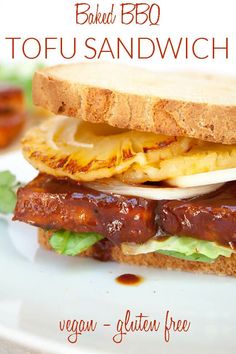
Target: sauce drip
129,279
102,250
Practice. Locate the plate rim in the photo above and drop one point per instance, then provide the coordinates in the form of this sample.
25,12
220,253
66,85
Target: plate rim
34,342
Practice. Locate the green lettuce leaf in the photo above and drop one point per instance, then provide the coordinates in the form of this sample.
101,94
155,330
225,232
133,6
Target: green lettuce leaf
180,247
196,257
72,243
7,179
187,248
8,186
7,200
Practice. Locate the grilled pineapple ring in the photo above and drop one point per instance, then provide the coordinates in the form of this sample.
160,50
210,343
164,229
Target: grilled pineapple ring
67,147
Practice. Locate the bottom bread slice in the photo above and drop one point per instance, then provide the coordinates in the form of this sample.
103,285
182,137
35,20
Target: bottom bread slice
110,252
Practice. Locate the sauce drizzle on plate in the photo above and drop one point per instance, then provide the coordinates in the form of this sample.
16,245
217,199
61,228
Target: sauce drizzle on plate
129,279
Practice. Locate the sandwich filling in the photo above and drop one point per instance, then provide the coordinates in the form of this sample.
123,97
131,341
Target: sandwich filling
73,156
12,113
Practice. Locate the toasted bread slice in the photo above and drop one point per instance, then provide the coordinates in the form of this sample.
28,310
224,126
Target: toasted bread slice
223,265
180,104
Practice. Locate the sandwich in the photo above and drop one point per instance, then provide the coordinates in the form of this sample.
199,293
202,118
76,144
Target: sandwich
135,166
12,113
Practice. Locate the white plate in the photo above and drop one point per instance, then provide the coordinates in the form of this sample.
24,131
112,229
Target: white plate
39,288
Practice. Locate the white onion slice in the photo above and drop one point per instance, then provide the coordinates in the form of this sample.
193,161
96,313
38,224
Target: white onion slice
203,179
69,132
69,128
59,121
155,193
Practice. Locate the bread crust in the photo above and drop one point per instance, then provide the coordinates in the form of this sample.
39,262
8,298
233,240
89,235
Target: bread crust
223,265
187,115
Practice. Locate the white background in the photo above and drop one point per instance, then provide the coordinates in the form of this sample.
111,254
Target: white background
179,18
214,319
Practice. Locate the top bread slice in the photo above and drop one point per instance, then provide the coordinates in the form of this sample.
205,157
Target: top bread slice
179,104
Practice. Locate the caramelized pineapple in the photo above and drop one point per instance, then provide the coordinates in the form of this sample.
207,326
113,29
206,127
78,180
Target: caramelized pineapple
203,157
67,147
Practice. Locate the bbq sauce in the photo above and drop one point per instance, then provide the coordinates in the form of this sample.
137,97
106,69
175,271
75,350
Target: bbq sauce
61,204
102,250
76,208
210,217
129,279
